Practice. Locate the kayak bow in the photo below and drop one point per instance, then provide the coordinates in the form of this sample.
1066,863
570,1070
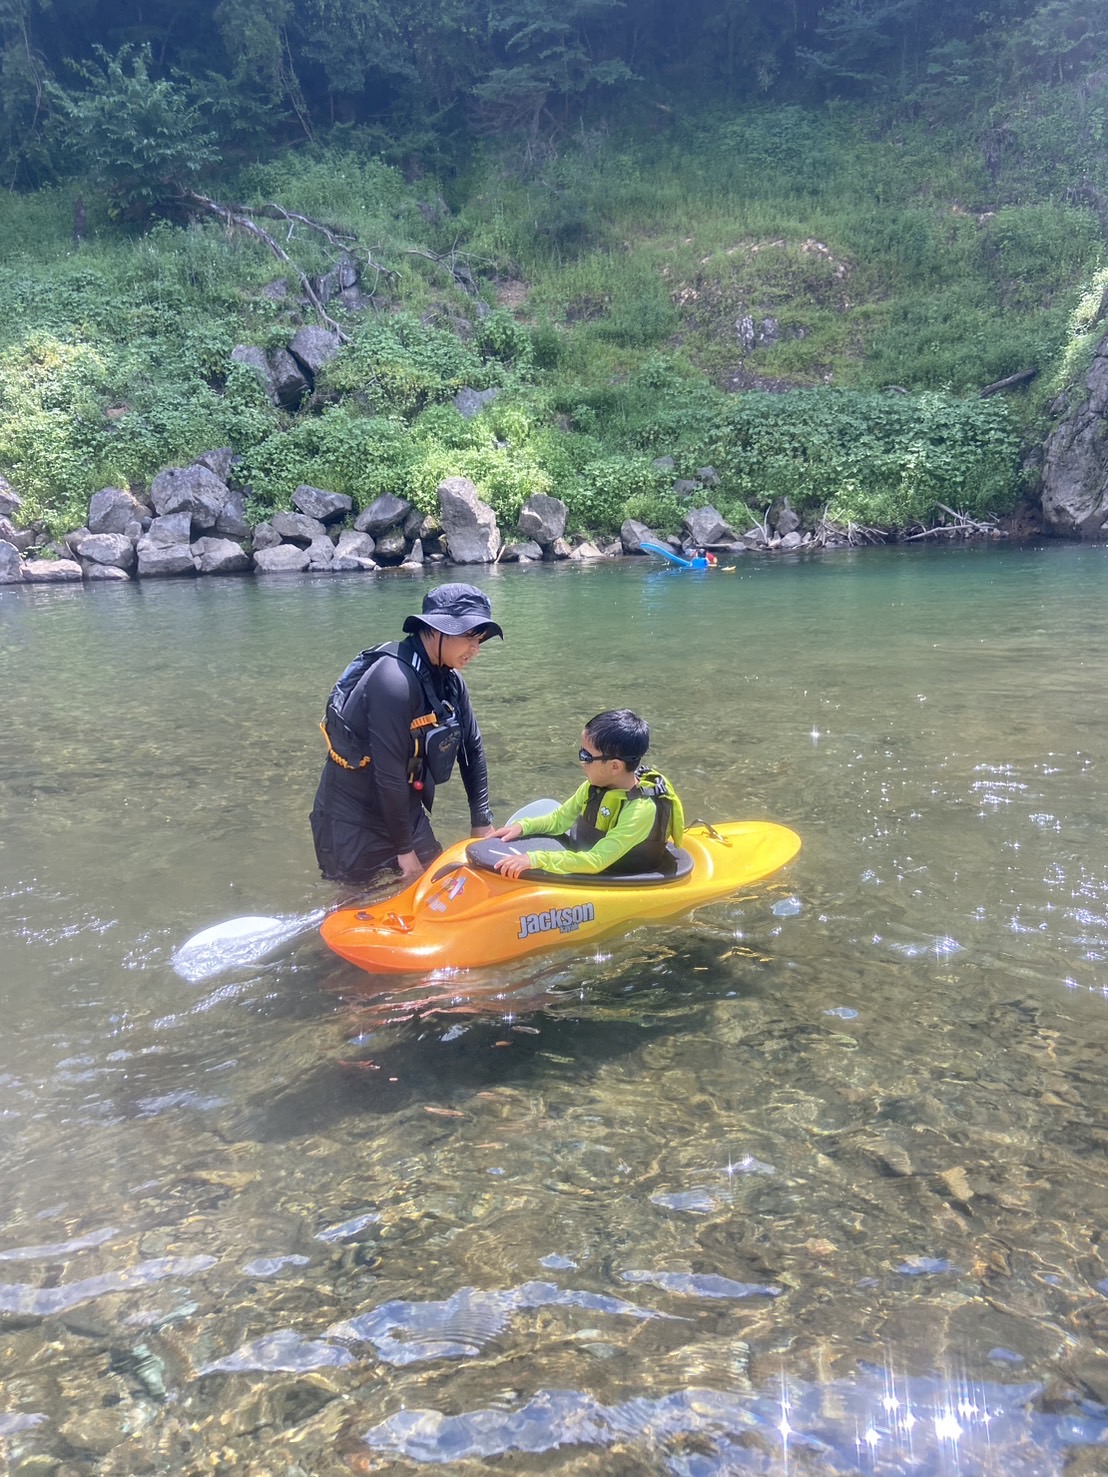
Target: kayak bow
699,561
461,916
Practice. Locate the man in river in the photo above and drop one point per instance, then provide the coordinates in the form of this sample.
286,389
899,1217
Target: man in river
396,720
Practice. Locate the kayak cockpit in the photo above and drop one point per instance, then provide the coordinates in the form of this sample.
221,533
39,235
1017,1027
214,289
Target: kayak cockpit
484,855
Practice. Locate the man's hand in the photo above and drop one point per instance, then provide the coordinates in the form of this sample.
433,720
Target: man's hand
513,866
510,832
410,865
480,832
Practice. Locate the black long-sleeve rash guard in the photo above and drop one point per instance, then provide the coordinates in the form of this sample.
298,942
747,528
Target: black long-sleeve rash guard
382,708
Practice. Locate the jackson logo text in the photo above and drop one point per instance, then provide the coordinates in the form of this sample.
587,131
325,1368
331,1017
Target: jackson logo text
565,920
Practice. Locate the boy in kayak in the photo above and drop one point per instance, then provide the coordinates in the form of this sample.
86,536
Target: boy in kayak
619,820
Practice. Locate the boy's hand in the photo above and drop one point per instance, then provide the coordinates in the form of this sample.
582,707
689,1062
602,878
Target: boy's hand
508,833
513,866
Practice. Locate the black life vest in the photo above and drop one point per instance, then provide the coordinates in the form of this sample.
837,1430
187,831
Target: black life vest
647,855
436,736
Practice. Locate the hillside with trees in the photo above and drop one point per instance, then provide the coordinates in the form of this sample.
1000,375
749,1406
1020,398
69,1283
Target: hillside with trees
847,253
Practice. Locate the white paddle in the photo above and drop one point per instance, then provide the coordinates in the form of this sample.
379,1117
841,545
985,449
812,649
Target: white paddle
244,941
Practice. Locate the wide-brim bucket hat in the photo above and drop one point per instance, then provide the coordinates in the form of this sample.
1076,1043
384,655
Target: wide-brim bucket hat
455,610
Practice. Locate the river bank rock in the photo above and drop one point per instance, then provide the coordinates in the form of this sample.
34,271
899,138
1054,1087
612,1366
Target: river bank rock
282,559
213,555
114,509
525,552
469,526
194,490
105,548
51,571
705,526
631,536
383,513
1074,480
10,501
11,565
543,519
314,502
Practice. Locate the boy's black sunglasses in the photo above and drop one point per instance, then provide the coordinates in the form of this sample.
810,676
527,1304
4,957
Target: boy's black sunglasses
587,758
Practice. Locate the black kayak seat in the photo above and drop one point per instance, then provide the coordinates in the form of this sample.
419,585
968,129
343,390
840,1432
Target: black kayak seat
485,855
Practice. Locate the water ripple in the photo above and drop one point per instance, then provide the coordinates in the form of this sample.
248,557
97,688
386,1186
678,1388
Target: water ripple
920,1425
40,1302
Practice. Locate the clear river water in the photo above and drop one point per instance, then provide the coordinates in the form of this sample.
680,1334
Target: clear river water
814,1181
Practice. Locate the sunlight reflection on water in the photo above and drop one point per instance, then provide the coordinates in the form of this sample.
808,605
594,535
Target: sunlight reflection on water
847,1124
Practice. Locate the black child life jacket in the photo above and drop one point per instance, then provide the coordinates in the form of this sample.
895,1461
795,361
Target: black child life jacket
436,736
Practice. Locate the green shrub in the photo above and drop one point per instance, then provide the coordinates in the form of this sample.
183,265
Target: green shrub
504,479
342,450
600,494
881,460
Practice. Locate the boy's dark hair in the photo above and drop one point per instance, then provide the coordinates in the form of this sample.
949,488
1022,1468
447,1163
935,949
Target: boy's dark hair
619,734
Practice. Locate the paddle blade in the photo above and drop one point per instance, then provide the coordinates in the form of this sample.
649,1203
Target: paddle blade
238,943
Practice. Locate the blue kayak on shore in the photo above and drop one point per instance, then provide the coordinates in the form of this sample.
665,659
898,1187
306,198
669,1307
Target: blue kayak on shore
700,562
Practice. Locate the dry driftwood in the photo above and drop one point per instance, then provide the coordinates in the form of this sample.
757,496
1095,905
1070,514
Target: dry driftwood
1008,383
245,218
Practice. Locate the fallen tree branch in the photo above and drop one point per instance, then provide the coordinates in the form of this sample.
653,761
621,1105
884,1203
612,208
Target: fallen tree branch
452,262
242,217
963,525
1007,384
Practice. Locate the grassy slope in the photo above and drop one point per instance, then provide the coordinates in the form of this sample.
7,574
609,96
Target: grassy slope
623,265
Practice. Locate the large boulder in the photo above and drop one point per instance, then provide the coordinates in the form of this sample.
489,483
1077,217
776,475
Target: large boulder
283,559
256,360
231,522
289,383
469,525
524,552
193,490
631,535
104,573
164,549
321,554
112,509
784,517
220,461
10,501
353,545
21,538
313,347
1075,461
704,526
51,571
325,506
390,546
172,529
543,519
384,512
11,565
297,528
353,550
469,403
105,548
265,537
219,556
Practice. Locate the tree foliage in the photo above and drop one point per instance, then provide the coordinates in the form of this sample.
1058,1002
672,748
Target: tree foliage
141,138
418,67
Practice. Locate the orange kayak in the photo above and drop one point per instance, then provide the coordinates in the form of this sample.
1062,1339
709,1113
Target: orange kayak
460,915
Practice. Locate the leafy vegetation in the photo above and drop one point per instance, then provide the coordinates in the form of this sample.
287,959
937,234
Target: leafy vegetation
927,221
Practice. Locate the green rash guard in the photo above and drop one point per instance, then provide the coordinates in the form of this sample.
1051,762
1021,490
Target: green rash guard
632,821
